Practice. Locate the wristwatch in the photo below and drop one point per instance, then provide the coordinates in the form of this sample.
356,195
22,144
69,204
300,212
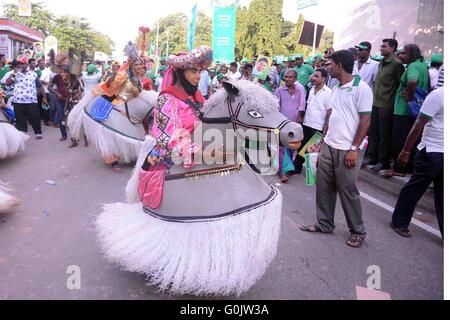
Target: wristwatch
354,148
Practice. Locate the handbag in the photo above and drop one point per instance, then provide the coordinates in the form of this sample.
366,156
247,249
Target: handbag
415,105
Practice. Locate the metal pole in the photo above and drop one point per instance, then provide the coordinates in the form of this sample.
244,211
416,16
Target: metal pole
167,45
315,39
157,38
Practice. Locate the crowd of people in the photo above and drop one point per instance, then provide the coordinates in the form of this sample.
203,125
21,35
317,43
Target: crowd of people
356,101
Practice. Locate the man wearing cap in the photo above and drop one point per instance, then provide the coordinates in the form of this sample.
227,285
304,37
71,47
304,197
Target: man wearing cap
291,62
390,72
304,71
159,78
437,61
90,79
364,66
26,88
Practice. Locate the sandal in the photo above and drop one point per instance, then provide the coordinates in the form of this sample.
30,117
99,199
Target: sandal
404,232
356,240
313,229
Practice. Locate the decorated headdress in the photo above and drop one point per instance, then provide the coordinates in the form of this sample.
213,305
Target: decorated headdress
200,57
132,53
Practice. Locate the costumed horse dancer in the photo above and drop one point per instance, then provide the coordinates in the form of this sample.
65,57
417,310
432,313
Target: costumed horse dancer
195,228
12,141
113,115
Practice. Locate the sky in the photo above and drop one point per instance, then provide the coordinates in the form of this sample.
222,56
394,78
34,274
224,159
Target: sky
121,19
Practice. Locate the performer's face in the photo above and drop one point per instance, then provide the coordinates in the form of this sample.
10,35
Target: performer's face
193,76
139,68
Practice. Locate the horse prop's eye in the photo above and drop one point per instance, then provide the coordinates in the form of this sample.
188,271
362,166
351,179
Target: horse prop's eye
255,114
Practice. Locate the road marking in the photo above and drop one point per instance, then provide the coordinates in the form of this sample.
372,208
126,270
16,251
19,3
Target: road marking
414,221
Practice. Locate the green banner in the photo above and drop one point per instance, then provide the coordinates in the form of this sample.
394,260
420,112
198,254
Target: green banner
224,26
192,27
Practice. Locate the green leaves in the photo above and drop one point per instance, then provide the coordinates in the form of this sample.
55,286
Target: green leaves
72,32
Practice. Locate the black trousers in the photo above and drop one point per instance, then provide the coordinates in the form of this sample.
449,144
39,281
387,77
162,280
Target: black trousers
44,114
380,138
30,110
308,133
428,167
402,127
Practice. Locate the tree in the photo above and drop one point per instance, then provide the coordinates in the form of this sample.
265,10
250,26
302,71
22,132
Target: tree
203,33
41,20
71,31
259,28
176,24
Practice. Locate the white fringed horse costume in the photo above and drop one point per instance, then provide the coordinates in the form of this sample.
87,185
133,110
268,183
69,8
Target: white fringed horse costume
7,201
12,141
121,135
217,228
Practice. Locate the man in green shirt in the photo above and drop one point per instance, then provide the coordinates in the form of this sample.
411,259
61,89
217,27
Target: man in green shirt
416,75
4,69
304,71
390,71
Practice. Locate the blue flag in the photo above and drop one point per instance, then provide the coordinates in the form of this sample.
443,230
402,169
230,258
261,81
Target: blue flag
192,27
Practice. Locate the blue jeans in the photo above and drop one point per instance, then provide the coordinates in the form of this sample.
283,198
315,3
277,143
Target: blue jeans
59,117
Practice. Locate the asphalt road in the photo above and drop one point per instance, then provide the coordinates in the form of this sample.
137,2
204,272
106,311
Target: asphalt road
53,229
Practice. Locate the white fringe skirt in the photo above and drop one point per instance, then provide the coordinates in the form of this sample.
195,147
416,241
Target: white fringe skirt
107,142
219,257
7,201
12,141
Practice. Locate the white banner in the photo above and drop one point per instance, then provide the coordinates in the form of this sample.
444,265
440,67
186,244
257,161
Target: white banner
24,8
50,43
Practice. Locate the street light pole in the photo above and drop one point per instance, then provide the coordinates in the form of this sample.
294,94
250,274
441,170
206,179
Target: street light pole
315,39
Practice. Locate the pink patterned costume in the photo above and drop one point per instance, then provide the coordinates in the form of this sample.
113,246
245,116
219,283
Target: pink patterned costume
175,115
174,123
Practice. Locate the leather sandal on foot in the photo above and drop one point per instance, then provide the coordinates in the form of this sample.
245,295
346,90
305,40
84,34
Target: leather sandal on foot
356,240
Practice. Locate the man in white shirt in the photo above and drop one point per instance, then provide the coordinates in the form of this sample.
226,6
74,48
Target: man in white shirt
204,83
428,165
317,112
341,155
234,74
45,80
365,66
90,79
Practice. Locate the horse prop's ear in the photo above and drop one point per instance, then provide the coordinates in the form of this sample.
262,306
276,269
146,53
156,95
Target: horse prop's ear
230,88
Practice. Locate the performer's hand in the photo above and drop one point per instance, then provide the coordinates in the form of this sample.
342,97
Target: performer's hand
351,159
403,159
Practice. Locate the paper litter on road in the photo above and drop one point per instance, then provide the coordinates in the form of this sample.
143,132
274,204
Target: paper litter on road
51,182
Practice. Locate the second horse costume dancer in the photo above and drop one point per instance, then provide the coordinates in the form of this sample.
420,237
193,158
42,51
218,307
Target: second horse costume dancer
113,115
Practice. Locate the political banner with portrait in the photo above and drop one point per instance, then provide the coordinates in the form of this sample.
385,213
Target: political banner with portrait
262,67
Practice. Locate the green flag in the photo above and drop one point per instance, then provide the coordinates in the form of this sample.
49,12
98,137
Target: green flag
192,27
